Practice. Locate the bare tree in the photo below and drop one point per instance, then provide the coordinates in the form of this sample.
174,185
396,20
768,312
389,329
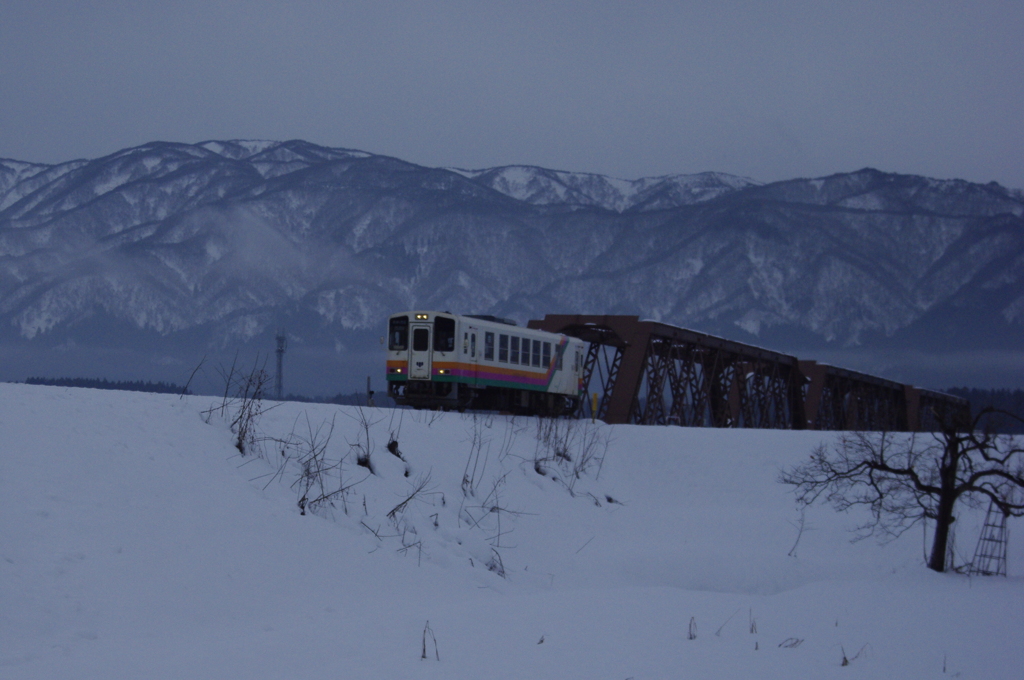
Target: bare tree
905,479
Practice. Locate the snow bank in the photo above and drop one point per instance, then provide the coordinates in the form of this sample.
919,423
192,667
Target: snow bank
137,542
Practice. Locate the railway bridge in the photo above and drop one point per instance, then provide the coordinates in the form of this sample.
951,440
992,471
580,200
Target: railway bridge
650,373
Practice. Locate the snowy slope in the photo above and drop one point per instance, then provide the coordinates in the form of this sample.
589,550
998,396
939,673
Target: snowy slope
137,543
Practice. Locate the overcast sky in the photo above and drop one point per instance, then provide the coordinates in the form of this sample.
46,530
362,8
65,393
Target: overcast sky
770,90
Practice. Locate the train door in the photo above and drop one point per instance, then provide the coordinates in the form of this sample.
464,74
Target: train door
471,338
419,353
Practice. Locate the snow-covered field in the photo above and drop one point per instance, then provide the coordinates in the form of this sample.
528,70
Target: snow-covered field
137,543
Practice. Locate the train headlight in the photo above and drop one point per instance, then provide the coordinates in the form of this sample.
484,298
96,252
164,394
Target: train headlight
444,371
422,317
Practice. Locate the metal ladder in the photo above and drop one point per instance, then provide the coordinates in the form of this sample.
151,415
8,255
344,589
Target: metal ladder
990,555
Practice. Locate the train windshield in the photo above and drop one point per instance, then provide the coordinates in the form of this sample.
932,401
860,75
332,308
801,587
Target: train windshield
444,334
398,333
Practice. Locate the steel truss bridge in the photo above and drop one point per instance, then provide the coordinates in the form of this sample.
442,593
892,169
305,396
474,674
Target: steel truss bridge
650,373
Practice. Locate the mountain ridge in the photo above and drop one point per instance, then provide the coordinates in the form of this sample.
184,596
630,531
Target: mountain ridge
223,242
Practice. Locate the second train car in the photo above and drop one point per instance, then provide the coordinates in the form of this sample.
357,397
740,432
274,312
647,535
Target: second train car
452,361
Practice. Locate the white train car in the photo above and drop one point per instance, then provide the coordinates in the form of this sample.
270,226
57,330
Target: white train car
444,360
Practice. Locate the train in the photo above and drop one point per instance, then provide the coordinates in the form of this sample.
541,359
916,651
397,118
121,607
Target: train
440,360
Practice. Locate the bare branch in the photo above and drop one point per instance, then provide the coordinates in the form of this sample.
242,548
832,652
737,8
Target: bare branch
417,489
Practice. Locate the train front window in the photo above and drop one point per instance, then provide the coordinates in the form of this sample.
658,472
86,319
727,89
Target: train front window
444,334
398,333
420,339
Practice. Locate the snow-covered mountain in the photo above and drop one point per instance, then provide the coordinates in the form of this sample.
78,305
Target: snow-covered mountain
553,187
159,254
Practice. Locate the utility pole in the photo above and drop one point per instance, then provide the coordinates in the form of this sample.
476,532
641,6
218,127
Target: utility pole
282,345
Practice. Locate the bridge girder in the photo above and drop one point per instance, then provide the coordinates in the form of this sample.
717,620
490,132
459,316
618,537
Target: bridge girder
650,373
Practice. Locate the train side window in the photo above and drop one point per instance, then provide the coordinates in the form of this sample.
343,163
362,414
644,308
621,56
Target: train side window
472,345
558,358
546,360
515,350
489,346
536,353
398,333
420,339
465,343
503,348
444,334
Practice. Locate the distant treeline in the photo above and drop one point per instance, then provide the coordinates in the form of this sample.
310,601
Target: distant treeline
1011,401
103,384
354,399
